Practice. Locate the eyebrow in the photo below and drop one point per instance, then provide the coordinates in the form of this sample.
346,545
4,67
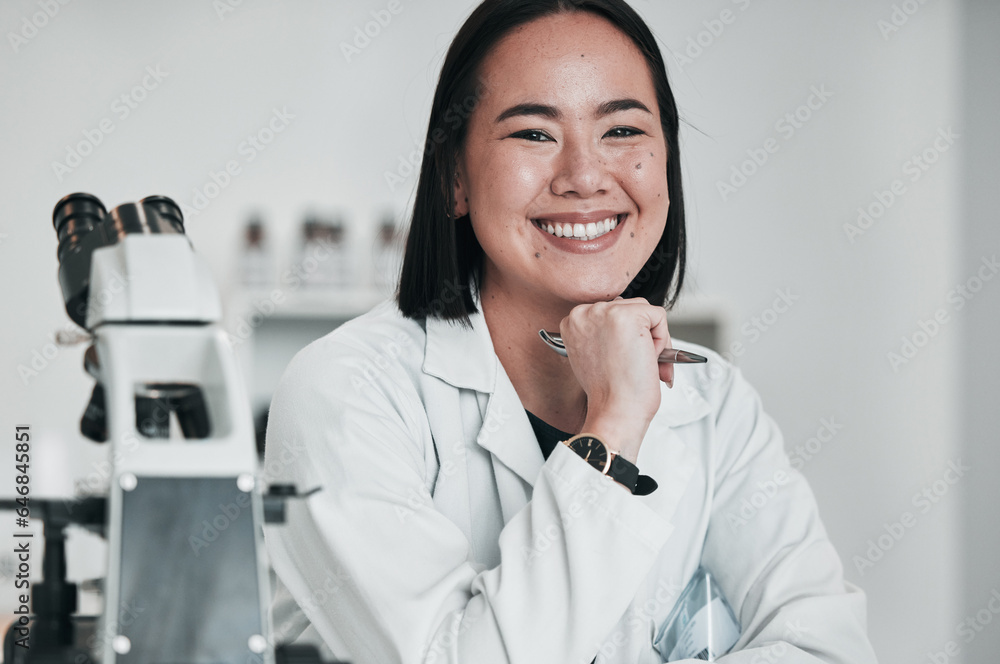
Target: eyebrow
553,113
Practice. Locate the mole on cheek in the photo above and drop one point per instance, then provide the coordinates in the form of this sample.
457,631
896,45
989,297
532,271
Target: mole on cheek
638,166
631,234
537,255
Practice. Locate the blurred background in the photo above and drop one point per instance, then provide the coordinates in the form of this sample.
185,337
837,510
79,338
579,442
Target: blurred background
841,169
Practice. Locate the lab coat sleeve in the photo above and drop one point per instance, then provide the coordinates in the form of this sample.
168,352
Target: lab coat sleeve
769,550
384,577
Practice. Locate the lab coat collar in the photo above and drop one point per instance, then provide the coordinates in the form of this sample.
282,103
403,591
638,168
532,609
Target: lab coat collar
459,356
465,359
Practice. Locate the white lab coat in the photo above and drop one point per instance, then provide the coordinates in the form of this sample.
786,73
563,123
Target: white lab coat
441,534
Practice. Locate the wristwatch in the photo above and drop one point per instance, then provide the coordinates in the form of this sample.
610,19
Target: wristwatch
596,452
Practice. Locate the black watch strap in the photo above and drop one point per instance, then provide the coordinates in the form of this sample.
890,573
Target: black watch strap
619,469
624,472
645,486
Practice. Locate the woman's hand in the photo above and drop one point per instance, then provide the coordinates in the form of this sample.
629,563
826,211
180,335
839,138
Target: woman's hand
613,349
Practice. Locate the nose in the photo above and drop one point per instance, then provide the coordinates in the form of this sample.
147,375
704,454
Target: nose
579,169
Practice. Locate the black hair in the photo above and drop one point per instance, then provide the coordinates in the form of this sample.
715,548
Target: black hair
442,254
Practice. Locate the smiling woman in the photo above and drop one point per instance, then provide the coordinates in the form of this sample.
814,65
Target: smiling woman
488,500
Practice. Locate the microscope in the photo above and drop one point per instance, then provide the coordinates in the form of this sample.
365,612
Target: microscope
187,579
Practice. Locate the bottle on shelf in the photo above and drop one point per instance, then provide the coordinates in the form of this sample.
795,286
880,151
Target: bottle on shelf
256,267
323,261
388,254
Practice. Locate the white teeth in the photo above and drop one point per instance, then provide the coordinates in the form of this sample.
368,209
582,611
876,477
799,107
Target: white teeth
588,231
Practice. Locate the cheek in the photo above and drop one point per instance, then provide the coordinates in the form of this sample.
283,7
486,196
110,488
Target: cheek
508,181
647,172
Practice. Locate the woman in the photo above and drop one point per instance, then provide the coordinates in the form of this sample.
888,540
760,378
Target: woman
452,524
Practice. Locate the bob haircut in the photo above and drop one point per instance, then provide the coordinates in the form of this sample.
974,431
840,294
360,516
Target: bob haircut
442,254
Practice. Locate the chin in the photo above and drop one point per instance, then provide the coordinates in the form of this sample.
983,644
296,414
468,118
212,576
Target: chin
596,293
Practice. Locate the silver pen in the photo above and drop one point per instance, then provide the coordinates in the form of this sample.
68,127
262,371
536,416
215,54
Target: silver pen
669,355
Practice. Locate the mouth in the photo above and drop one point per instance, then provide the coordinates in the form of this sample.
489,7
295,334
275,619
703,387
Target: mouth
580,231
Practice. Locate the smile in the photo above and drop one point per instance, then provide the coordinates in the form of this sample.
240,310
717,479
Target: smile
578,231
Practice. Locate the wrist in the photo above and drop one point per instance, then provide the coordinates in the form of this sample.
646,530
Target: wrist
600,455
622,435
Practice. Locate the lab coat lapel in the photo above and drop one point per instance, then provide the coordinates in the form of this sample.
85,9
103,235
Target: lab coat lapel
664,453
465,358
507,434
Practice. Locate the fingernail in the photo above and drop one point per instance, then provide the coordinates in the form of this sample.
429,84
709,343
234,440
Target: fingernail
670,383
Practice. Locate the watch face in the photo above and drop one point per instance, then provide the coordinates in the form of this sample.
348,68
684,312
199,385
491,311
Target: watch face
592,450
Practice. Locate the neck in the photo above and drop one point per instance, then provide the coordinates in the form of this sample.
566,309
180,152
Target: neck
542,378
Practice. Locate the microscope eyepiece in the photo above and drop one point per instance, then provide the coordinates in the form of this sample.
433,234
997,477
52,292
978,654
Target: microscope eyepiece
74,217
83,225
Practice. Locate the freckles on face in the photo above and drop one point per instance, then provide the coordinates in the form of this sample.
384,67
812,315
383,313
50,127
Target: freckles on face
562,141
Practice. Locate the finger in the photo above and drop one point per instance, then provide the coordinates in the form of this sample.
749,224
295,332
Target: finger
631,300
667,373
661,339
658,328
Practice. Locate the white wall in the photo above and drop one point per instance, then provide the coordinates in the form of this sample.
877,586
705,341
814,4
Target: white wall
782,230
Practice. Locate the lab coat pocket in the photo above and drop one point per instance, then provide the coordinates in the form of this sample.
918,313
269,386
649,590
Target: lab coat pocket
702,624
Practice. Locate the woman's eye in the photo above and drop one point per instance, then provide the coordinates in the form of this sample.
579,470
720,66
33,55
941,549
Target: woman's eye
623,132
532,135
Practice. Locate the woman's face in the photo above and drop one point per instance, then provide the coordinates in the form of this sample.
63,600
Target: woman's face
565,144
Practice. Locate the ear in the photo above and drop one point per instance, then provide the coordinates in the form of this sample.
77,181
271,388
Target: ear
461,194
